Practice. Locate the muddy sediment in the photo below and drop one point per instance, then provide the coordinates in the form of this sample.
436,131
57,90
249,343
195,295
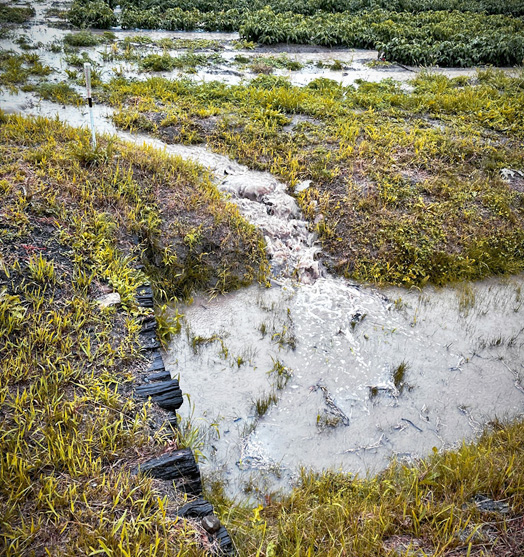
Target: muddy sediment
460,354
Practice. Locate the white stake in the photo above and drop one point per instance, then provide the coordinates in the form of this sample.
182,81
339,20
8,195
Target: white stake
87,71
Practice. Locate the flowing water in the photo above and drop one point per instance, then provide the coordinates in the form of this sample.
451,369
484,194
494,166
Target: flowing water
364,374
316,371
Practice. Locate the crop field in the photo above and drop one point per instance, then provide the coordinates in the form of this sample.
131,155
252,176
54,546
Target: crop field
435,32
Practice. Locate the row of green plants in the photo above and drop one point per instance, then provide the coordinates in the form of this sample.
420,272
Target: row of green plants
310,7
406,184
446,38
428,38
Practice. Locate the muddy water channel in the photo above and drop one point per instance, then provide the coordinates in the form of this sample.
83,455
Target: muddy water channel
345,376
315,371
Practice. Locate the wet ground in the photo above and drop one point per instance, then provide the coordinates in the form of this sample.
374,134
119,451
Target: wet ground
226,60
365,374
316,371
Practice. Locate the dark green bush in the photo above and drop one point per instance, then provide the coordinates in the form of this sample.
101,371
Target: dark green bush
96,14
83,38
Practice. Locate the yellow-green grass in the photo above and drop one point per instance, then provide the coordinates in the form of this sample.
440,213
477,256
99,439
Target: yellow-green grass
16,69
422,509
74,224
406,183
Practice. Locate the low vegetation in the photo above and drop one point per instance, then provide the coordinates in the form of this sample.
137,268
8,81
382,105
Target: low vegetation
75,224
431,508
17,15
82,38
407,185
17,69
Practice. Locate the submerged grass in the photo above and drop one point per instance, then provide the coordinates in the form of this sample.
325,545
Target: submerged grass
408,185
430,507
74,224
17,69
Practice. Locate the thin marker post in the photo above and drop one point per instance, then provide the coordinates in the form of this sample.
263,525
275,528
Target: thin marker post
87,71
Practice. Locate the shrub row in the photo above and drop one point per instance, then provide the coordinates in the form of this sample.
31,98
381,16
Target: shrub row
311,7
429,38
446,38
176,19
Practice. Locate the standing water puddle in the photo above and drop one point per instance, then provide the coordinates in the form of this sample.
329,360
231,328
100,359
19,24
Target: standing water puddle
364,375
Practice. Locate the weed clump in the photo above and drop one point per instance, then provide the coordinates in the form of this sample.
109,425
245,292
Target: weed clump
263,404
97,13
158,62
59,92
82,38
18,14
398,376
16,70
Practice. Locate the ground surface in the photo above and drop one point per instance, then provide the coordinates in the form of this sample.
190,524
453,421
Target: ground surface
409,184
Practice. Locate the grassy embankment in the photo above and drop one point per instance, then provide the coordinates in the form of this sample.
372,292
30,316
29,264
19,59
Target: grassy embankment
443,32
74,224
70,220
424,509
406,184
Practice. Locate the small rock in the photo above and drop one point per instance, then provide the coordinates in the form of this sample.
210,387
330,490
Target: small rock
485,504
108,300
304,185
211,523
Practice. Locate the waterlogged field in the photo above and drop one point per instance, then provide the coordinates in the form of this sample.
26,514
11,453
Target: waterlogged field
434,32
404,186
356,166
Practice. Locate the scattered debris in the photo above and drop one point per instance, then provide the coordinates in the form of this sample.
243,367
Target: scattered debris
109,300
